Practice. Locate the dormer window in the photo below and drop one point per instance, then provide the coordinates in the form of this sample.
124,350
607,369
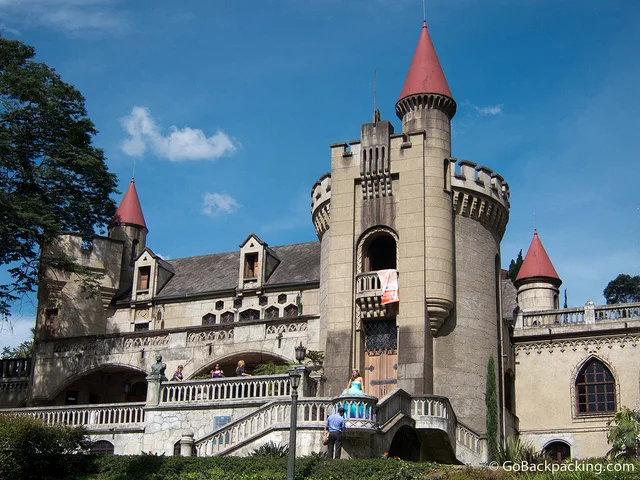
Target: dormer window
251,265
144,275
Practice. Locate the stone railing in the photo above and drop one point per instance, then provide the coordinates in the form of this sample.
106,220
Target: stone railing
397,401
369,295
360,411
15,367
311,412
563,317
620,312
92,417
467,438
241,388
587,315
434,412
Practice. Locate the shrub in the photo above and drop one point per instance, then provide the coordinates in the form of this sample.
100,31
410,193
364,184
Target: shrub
271,449
270,368
517,451
29,449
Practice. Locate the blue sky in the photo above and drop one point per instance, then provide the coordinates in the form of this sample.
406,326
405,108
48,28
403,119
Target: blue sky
228,109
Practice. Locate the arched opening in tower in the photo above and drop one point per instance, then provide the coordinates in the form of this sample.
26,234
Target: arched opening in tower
381,253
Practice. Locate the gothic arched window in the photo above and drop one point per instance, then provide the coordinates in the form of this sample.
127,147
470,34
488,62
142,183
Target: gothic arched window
595,388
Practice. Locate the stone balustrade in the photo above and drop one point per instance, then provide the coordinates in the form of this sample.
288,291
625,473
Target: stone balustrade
434,412
393,403
15,367
619,312
241,388
275,414
467,438
360,412
589,314
90,416
369,295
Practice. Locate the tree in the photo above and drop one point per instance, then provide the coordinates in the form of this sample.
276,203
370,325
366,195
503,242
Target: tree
514,266
491,401
52,179
623,289
624,434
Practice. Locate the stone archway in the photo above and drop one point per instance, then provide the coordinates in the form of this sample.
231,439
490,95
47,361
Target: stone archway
405,444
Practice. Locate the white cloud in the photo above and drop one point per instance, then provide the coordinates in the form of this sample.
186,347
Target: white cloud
219,204
181,144
75,17
490,110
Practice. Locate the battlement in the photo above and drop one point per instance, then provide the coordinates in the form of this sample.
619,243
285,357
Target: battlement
320,202
480,193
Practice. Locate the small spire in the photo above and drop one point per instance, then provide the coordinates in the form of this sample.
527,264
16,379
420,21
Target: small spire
537,263
425,73
129,211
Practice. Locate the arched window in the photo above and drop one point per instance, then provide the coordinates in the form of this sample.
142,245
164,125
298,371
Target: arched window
134,250
595,388
102,447
557,451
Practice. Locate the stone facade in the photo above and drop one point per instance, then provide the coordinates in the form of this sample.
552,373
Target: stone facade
394,208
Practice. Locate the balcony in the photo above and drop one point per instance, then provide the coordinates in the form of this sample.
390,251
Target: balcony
369,296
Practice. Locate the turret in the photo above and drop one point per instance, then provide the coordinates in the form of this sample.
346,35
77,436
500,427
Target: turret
426,108
538,282
425,100
129,226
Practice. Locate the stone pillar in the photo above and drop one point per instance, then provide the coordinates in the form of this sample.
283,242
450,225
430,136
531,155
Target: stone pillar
186,444
319,378
589,313
153,390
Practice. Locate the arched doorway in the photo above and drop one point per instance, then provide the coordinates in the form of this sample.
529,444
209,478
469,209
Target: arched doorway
557,451
405,445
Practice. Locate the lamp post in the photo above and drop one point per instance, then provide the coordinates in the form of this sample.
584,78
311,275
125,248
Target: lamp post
295,374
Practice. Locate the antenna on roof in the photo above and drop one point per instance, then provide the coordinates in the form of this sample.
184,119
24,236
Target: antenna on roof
376,112
424,11
133,171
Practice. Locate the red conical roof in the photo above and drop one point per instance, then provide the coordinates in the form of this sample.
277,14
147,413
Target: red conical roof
425,73
536,262
129,210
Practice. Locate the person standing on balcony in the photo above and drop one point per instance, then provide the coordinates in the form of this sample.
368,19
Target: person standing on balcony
354,387
240,371
336,426
177,375
217,372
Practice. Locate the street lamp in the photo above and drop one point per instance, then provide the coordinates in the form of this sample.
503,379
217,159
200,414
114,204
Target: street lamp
295,374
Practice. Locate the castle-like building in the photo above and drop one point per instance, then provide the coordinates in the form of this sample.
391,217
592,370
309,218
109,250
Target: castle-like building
404,285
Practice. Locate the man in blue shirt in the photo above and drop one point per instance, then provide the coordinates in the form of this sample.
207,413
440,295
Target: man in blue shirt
336,426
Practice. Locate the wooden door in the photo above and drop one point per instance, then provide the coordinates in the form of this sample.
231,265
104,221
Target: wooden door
380,373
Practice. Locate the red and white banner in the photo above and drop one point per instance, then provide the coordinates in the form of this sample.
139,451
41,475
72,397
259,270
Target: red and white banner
389,283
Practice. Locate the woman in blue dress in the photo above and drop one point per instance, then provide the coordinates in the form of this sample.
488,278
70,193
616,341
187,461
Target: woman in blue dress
354,387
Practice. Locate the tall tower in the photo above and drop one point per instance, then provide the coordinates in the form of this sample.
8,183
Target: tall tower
387,206
129,226
426,105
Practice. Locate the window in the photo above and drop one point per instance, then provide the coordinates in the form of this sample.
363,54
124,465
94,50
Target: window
263,301
209,319
237,303
249,314
102,447
251,265
219,305
143,278
595,389
134,250
291,310
272,312
227,317
139,327
282,298
51,321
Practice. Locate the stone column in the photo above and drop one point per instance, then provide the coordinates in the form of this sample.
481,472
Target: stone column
153,390
186,444
590,313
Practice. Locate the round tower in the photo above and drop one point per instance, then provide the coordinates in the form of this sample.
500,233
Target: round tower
427,106
129,226
537,282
